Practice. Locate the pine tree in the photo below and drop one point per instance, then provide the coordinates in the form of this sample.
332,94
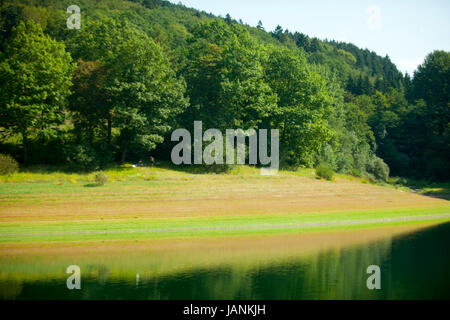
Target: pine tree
260,25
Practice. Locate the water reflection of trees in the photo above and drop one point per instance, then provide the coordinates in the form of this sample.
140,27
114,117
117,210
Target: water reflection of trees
413,266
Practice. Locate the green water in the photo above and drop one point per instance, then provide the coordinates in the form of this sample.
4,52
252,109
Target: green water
413,266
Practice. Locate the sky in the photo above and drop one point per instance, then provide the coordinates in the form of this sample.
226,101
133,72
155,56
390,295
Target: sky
406,30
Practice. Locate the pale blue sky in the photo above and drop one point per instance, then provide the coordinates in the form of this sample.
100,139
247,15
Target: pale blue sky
406,30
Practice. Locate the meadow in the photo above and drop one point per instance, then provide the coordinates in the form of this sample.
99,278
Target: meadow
142,203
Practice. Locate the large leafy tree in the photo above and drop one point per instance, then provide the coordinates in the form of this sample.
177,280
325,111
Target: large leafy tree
146,93
225,78
35,77
303,103
89,104
96,47
140,92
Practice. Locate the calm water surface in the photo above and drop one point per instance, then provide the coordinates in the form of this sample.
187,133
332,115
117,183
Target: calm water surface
413,266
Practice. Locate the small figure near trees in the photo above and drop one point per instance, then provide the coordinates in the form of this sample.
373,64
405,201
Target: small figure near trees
152,161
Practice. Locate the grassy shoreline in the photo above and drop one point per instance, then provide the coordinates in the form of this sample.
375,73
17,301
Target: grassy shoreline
210,227
158,203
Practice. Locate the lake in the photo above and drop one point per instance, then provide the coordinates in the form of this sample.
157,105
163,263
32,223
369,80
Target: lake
414,263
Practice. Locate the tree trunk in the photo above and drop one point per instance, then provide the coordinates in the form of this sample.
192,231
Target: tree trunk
109,129
124,151
25,146
283,136
91,135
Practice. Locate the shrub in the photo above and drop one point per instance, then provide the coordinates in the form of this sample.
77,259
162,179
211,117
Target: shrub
327,155
324,171
355,173
378,169
100,178
219,168
370,177
8,165
213,168
82,158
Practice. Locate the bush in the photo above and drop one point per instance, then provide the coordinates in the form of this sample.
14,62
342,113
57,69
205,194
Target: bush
82,158
8,165
370,177
355,173
100,178
324,171
327,155
219,168
378,169
213,168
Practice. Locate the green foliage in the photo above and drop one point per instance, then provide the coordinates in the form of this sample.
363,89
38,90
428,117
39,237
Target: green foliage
437,169
303,102
8,165
145,67
88,104
324,171
431,83
214,168
82,157
133,76
35,76
224,73
100,178
378,169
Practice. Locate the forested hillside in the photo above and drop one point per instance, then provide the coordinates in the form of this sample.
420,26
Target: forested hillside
114,90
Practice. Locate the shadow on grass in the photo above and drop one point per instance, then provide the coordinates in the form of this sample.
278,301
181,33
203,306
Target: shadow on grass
196,169
93,185
49,169
117,168
436,190
440,190
444,194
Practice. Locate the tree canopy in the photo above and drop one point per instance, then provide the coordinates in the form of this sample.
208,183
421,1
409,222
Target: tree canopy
145,67
35,78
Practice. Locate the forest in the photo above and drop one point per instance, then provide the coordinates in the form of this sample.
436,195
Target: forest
114,90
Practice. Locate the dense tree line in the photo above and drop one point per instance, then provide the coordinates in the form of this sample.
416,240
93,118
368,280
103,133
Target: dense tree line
115,89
